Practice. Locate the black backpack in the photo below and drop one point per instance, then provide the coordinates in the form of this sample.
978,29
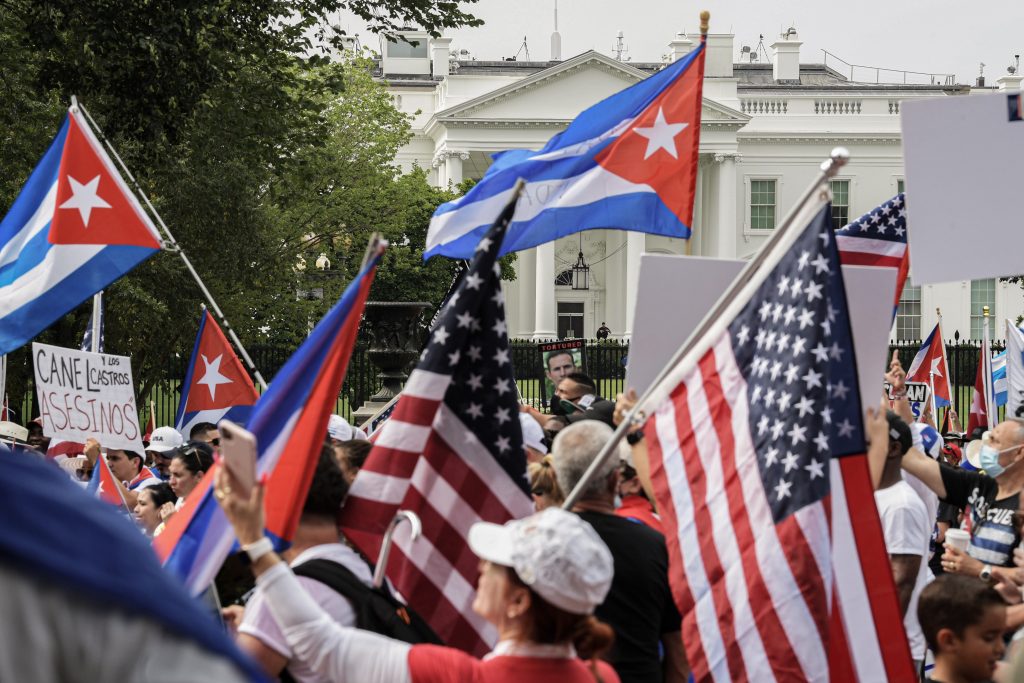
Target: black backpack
376,609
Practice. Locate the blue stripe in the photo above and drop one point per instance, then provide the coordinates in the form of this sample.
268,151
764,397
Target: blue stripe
30,256
186,386
640,212
35,315
36,188
238,414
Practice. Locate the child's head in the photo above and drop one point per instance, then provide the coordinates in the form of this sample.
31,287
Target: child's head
963,620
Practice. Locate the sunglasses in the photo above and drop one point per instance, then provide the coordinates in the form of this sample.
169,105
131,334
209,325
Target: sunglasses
194,452
537,491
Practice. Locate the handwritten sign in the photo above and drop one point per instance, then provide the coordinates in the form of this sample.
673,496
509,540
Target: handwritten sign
84,395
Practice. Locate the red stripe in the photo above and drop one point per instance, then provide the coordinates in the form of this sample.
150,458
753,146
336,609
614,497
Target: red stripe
874,565
863,258
676,573
840,662
415,410
806,572
702,517
773,633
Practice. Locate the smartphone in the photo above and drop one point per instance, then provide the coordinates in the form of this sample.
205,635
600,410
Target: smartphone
238,448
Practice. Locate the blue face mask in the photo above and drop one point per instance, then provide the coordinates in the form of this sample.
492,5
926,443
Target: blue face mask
988,458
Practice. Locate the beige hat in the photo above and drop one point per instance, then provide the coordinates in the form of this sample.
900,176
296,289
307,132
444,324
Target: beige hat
13,430
558,555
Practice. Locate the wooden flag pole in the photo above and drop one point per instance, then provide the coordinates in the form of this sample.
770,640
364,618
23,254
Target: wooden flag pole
173,246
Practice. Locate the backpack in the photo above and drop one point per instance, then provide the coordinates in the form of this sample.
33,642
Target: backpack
376,609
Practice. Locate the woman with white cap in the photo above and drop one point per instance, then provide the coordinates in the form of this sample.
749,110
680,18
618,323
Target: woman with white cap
540,579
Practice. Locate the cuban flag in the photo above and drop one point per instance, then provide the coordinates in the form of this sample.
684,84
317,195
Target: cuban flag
216,386
290,425
103,486
74,229
628,162
931,360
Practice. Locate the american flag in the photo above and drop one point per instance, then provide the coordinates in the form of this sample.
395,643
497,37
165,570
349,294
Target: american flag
758,460
879,238
452,452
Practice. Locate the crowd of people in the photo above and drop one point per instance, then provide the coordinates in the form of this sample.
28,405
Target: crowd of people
584,594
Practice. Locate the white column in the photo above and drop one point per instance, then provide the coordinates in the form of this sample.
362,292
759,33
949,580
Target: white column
727,225
693,245
544,326
636,243
526,281
453,166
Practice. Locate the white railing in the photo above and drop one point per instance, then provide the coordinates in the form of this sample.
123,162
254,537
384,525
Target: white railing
764,106
827,107
894,107
859,73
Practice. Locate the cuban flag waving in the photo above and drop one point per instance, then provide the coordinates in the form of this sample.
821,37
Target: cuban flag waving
290,425
74,229
216,386
628,162
931,360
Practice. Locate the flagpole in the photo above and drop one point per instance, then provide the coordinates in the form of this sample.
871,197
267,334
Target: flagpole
174,246
94,324
986,368
829,168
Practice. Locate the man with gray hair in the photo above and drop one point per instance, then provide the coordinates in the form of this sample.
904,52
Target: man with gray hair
639,606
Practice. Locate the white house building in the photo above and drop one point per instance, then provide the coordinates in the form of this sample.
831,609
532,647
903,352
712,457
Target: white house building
765,127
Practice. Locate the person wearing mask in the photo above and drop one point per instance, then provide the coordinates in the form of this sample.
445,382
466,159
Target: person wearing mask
188,465
162,444
575,399
540,579
639,606
147,506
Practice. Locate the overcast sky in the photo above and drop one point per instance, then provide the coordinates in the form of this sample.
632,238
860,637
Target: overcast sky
935,36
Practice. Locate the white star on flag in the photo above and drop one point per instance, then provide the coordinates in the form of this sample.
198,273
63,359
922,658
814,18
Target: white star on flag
212,377
662,135
84,198
935,367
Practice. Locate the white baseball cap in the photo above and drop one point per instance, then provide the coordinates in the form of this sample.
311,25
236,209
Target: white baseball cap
339,428
533,433
164,439
557,554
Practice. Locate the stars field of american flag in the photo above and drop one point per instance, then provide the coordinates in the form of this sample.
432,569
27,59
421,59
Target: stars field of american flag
452,452
879,238
758,461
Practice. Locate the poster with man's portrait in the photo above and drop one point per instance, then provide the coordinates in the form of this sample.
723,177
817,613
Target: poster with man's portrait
560,359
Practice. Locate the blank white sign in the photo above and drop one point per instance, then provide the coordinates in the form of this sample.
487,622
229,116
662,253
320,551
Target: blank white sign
962,158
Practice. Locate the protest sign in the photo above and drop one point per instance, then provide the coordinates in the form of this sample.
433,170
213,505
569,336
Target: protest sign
917,395
656,336
960,156
84,395
870,322
560,359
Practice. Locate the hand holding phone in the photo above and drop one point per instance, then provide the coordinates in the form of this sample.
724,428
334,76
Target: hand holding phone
238,448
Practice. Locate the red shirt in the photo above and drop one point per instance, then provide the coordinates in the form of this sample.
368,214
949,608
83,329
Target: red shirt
435,664
639,508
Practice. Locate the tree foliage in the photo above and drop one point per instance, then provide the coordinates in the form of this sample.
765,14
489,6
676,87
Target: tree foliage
256,143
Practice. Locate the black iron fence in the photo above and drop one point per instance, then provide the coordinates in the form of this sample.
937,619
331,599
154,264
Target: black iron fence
603,360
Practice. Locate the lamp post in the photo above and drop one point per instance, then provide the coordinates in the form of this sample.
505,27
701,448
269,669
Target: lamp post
581,271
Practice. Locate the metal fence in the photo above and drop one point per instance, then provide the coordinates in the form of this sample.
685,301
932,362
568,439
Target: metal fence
603,360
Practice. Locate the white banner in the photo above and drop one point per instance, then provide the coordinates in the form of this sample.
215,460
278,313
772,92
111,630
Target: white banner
84,395
1014,370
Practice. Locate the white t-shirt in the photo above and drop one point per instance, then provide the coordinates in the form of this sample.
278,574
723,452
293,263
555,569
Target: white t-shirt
907,530
259,623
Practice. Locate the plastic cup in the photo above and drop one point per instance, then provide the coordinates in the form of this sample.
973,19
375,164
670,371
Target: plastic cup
958,538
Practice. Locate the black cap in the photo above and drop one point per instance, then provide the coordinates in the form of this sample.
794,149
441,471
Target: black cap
899,431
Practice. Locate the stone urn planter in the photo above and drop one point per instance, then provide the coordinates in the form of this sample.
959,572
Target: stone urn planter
396,334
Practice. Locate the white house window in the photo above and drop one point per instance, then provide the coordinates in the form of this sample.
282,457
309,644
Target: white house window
983,293
908,314
900,185
564,279
404,50
570,319
762,204
840,203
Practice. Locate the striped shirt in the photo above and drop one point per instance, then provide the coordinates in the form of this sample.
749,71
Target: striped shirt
989,520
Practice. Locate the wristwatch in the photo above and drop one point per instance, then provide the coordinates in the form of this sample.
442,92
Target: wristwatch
985,574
